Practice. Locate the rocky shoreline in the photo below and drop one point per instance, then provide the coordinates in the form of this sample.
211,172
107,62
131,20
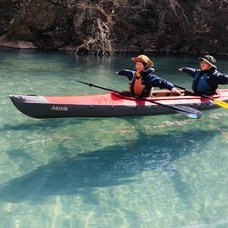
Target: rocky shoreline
20,44
107,27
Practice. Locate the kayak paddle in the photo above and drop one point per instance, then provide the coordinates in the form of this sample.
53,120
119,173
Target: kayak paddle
216,101
183,110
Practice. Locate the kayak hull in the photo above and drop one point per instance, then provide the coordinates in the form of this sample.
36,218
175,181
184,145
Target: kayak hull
106,105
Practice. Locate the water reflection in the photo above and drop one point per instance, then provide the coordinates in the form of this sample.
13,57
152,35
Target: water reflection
111,166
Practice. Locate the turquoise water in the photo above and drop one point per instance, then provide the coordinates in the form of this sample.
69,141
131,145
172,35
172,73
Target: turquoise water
156,171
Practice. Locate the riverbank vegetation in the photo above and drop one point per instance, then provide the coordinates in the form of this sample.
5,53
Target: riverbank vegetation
108,26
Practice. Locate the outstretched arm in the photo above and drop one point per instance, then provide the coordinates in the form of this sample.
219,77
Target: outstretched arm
188,70
127,73
154,80
222,78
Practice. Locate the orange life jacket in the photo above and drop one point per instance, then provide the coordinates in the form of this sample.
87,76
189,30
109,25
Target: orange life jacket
136,86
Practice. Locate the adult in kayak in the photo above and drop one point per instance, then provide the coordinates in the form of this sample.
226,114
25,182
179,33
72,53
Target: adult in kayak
143,79
207,78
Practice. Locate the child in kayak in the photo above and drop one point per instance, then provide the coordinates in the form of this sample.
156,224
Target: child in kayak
207,78
143,79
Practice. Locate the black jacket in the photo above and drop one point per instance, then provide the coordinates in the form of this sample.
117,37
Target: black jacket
212,78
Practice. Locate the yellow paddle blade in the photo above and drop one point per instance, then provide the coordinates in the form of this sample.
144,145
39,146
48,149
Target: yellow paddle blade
221,103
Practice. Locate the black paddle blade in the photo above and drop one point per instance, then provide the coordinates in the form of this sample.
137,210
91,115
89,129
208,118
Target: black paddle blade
189,112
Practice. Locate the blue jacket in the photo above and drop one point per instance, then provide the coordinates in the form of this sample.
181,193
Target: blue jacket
206,82
149,79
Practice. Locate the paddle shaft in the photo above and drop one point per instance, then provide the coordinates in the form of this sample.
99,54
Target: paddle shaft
201,95
100,87
216,101
184,110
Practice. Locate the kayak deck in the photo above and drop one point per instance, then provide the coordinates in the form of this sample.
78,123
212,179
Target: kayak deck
108,105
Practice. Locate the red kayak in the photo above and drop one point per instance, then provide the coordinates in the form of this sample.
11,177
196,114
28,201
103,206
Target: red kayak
112,104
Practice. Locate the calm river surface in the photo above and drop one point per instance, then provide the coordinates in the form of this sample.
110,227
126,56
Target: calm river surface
156,171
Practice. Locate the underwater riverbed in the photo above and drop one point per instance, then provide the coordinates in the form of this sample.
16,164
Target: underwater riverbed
154,171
